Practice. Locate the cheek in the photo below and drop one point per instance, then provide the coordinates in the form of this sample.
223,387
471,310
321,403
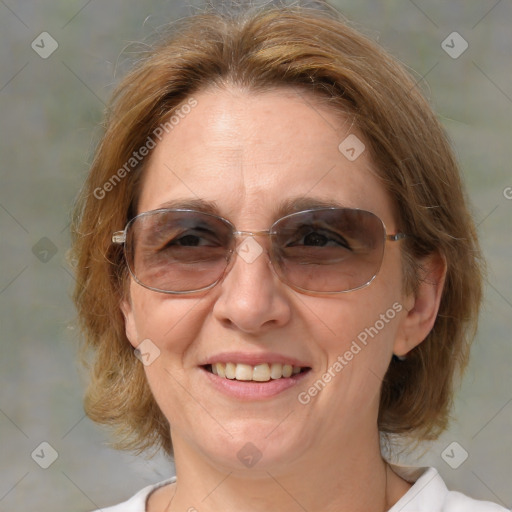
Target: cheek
357,360
362,329
356,333
171,323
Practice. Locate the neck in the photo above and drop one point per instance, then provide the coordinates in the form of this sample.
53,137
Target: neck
351,477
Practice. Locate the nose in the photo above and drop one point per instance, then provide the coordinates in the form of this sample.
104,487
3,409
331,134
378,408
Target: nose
251,297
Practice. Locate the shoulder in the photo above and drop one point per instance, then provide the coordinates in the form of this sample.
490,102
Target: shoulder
430,494
457,502
136,503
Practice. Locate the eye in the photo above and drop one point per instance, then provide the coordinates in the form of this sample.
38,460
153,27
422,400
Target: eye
316,239
188,240
311,237
193,238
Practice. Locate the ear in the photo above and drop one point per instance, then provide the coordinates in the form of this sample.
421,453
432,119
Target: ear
129,321
422,306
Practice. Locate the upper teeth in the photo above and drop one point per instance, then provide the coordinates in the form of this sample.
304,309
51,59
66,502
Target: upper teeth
260,372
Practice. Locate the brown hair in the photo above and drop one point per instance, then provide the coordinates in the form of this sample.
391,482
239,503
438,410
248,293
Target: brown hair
258,50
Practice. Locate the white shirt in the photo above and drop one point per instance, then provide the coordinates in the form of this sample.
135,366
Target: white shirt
428,494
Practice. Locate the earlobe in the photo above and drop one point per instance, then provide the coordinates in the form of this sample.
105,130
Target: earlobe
422,306
129,321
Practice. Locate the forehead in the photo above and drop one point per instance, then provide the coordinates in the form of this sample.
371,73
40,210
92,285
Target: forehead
249,154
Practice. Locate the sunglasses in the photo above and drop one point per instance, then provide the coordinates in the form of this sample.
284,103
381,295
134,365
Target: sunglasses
325,250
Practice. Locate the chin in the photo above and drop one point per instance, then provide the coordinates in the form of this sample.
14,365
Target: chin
256,446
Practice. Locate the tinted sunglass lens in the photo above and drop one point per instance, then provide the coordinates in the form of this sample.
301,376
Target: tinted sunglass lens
178,251
329,250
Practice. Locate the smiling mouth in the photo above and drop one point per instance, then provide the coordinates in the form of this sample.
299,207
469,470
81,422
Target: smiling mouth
256,373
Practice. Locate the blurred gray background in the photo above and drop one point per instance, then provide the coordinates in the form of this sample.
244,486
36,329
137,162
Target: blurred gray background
50,112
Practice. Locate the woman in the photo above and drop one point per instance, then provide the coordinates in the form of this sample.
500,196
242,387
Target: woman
276,268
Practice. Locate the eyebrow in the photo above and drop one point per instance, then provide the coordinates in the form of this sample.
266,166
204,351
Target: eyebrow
300,203
290,205
201,205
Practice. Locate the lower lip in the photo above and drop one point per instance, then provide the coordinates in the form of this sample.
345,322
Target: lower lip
250,390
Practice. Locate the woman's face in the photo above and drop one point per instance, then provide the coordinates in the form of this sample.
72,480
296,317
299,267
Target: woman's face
248,154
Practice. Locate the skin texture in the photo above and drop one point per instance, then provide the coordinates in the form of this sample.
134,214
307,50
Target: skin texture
247,153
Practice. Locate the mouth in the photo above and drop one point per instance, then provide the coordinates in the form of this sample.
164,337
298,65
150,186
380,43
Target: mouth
263,372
